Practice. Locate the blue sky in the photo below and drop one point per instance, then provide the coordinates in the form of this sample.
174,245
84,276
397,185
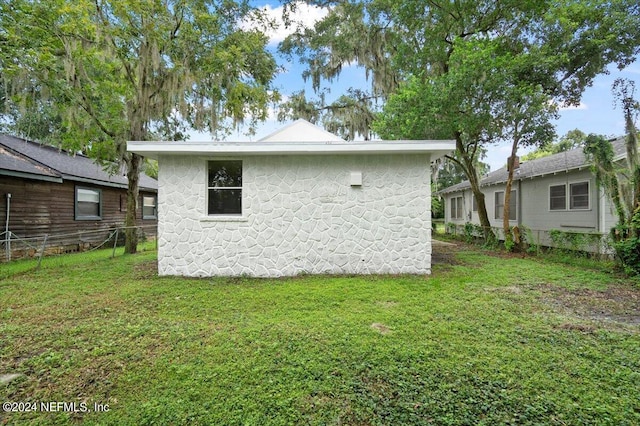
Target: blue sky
596,113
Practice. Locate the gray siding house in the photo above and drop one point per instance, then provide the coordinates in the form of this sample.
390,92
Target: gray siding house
558,192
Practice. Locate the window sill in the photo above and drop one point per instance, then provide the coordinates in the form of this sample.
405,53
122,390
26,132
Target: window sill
223,218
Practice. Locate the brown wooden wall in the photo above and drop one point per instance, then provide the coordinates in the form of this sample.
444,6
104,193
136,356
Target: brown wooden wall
38,208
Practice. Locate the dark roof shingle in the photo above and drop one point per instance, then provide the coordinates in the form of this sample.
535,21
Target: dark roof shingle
561,162
20,155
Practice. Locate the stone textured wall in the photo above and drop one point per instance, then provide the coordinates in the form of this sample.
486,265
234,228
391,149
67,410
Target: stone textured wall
300,215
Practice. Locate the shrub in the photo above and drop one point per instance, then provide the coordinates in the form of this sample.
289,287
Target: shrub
527,240
471,232
576,241
628,254
626,243
450,228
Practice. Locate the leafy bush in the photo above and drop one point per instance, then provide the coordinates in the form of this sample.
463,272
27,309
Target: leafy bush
628,253
472,231
450,228
527,240
626,243
576,241
437,207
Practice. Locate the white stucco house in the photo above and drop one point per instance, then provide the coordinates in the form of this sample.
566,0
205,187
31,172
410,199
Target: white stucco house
301,200
557,192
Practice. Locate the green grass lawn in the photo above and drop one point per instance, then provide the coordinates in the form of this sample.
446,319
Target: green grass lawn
484,340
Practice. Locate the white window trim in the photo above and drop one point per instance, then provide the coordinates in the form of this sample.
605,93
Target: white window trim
567,196
206,217
588,182
223,218
460,215
495,211
495,205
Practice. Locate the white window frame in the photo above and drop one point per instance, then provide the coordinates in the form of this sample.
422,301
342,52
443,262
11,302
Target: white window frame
498,212
458,200
216,216
570,196
567,196
564,185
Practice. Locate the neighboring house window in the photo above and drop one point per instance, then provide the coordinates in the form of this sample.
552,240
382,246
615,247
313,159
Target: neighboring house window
149,207
225,187
578,196
499,205
456,208
474,203
558,197
88,204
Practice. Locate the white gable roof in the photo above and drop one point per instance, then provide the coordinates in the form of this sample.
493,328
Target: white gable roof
297,138
301,131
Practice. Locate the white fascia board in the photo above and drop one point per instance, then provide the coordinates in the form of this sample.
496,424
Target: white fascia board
435,148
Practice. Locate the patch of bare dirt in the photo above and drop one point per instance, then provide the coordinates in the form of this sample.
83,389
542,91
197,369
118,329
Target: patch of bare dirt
146,269
381,328
443,253
387,304
618,303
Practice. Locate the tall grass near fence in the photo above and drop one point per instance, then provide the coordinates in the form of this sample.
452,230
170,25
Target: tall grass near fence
13,246
68,260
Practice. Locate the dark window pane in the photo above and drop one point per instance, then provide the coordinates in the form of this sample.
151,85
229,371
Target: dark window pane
579,195
225,174
88,209
225,201
499,205
149,207
87,203
557,197
513,206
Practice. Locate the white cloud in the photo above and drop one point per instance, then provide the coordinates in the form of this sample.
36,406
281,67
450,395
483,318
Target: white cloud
581,106
304,15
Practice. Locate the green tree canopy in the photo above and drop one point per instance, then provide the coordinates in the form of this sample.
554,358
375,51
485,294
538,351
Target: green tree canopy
572,139
110,71
438,59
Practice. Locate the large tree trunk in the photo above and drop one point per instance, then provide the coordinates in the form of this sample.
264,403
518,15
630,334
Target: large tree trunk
469,167
133,176
506,228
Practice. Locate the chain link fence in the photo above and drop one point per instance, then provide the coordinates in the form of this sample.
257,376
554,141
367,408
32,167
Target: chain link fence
15,247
